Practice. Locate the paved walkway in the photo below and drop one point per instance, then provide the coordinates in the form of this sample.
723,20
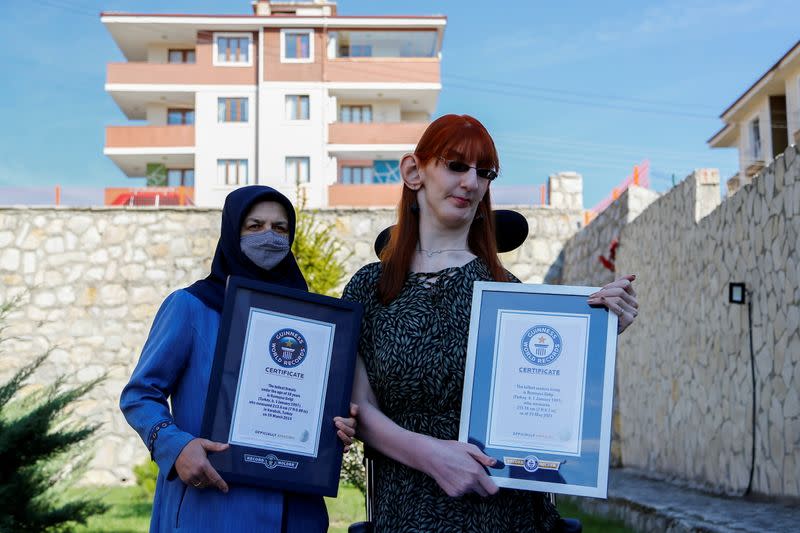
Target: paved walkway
655,505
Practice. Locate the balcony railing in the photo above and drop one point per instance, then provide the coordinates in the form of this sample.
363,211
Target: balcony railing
383,69
376,133
149,196
149,136
140,73
370,195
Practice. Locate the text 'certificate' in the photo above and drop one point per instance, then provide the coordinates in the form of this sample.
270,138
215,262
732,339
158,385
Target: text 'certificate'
282,383
537,384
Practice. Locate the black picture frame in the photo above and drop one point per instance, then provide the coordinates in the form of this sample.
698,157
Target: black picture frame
262,465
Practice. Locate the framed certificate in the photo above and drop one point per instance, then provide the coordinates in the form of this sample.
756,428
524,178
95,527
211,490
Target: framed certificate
538,386
283,368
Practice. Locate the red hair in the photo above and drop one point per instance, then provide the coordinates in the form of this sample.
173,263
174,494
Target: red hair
459,137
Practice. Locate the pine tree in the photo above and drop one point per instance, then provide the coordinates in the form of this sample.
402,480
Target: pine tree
40,451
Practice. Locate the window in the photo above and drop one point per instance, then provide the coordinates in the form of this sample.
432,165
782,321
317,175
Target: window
180,116
755,139
232,50
355,113
232,110
180,56
360,50
232,171
386,171
296,107
379,43
355,175
180,177
297,46
297,170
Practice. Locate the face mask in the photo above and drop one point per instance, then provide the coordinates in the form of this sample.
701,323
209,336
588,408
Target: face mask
265,249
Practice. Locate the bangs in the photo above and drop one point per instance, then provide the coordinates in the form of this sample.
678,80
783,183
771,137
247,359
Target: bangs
458,137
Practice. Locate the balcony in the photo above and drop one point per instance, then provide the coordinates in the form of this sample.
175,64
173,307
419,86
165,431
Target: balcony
415,70
149,136
132,148
386,133
370,195
149,196
142,73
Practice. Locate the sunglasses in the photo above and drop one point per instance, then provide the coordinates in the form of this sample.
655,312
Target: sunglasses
460,167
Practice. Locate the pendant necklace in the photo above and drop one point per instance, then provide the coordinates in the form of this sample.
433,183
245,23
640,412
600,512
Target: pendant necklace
431,253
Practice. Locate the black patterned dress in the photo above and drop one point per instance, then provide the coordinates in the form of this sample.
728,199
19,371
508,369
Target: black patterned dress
415,350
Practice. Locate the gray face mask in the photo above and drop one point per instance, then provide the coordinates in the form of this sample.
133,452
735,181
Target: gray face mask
265,249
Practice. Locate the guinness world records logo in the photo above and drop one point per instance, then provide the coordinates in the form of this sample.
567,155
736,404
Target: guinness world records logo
531,463
541,345
288,348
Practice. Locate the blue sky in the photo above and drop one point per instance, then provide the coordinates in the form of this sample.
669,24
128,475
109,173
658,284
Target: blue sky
593,87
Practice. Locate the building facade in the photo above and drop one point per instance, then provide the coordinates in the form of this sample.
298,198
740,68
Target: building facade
764,120
292,96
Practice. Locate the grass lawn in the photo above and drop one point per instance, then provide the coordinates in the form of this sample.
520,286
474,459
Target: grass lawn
347,508
129,512
591,523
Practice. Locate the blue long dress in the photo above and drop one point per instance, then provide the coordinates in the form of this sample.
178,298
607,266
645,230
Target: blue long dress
175,367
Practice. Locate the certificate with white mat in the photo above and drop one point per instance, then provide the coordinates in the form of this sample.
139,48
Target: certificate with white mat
538,386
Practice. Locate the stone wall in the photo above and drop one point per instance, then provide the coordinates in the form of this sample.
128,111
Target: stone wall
684,375
91,281
582,251
581,266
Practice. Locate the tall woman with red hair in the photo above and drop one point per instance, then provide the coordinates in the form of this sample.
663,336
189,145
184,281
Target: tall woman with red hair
410,370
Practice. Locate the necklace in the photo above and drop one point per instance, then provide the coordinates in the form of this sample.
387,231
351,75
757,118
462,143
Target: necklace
431,253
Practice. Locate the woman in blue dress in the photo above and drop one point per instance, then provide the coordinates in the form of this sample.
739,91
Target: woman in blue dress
258,225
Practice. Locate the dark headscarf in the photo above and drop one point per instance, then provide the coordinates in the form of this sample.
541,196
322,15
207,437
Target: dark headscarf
229,259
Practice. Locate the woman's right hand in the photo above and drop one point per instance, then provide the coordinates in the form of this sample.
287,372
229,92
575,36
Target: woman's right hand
193,467
458,467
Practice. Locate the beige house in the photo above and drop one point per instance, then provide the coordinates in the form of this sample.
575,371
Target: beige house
292,95
764,120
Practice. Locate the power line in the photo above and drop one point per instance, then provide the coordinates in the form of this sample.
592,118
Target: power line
583,94
562,145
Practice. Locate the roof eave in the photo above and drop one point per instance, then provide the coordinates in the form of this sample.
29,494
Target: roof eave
763,80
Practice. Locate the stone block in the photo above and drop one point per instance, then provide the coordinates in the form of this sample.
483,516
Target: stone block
791,405
10,259
78,224
44,299
112,294
65,295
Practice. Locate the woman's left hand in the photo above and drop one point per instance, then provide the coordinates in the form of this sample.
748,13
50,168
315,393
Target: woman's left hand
346,427
620,298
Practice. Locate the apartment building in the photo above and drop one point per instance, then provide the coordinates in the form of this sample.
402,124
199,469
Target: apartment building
293,96
764,120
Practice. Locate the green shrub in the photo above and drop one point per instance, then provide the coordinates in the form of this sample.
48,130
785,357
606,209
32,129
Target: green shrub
146,475
319,256
317,251
41,452
353,467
